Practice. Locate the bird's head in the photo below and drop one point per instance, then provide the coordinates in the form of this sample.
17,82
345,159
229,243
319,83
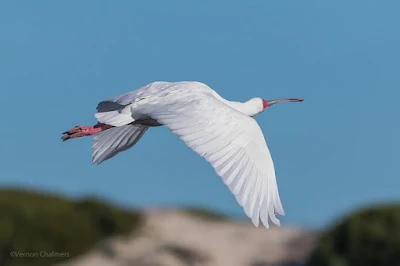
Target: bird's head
258,105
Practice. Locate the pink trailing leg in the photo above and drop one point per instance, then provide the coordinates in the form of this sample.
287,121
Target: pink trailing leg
82,131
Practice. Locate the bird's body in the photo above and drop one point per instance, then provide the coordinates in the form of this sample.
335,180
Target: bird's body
221,131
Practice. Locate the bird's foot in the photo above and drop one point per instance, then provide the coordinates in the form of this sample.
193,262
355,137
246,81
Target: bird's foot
82,131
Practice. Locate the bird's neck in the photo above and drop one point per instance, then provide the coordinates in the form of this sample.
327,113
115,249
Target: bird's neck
247,108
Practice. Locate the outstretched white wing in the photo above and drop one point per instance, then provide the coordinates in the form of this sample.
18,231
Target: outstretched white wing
230,141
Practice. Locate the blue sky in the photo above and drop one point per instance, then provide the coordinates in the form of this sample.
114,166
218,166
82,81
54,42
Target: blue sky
336,151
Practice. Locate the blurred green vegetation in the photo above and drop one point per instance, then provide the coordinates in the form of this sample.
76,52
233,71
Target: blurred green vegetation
370,237
205,214
42,229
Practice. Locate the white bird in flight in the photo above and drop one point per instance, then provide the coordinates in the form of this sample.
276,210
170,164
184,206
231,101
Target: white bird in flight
221,131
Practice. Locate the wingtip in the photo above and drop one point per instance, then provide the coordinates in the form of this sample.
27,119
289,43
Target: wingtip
266,225
278,222
96,162
256,224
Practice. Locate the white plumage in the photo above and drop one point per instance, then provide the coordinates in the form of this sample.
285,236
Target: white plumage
221,131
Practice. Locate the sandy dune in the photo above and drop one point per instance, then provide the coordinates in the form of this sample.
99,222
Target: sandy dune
174,238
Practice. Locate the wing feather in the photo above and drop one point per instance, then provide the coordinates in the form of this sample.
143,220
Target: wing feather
109,143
